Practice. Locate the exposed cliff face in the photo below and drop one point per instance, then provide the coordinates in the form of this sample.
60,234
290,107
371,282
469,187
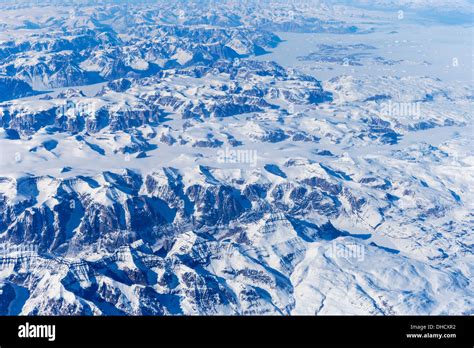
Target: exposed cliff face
83,57
158,243
86,210
127,104
13,88
165,169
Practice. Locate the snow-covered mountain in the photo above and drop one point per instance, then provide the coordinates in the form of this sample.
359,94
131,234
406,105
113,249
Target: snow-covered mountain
154,162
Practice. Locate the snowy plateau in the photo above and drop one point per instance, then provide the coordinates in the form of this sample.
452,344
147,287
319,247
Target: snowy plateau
303,157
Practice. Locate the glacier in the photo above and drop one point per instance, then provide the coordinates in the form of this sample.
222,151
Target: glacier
236,158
